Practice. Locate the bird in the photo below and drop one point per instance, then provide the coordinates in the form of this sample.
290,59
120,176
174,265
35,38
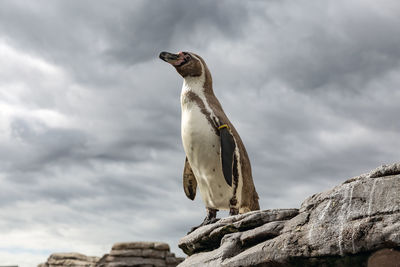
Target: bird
216,159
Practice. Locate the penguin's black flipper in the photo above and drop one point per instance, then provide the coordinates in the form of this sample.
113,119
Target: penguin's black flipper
189,181
227,149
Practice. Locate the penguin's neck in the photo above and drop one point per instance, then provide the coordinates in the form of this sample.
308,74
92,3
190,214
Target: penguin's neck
194,85
196,94
200,87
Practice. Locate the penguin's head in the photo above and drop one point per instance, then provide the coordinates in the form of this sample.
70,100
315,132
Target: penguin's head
185,63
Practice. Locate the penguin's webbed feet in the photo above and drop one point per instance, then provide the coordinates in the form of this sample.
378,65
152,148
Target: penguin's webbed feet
209,219
205,222
233,211
232,206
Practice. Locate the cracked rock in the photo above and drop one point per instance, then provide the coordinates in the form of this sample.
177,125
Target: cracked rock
356,223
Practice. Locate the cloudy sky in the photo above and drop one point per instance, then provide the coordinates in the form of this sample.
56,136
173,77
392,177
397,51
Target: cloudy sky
90,148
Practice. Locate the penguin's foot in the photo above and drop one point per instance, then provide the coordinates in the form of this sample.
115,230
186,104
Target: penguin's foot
210,218
232,205
205,222
233,211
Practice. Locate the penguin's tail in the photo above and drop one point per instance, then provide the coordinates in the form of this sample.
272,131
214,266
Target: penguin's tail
254,204
251,205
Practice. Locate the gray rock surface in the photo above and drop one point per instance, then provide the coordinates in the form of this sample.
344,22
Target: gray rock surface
69,259
356,223
144,254
209,237
154,254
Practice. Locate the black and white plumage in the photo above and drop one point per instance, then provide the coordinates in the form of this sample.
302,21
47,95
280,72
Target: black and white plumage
216,159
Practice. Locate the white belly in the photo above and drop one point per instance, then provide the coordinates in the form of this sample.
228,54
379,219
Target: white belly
202,147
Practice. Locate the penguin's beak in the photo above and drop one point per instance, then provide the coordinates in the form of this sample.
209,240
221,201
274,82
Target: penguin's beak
174,59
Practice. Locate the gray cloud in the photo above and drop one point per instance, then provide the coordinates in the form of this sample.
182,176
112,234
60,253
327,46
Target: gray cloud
81,35
90,123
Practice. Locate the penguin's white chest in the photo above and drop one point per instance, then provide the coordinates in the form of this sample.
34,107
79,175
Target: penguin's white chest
202,147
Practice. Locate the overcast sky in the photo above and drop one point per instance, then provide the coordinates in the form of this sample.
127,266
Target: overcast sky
90,146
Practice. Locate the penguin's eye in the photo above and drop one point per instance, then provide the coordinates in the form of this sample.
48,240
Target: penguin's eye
188,57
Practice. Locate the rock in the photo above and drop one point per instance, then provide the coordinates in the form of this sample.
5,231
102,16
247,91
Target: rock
384,257
133,245
126,253
344,226
263,232
69,259
209,237
151,254
161,246
132,261
154,254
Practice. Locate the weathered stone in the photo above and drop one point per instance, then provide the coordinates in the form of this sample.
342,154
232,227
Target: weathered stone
132,245
209,237
173,260
134,261
70,259
170,254
63,256
170,260
69,262
385,258
340,227
139,254
261,233
136,252
103,261
161,246
152,253
381,171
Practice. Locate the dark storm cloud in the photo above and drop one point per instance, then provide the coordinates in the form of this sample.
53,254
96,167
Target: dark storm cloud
35,145
81,35
90,122
173,22
89,40
344,51
317,46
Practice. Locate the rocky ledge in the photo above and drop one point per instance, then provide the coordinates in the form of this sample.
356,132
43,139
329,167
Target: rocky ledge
145,254
69,259
356,223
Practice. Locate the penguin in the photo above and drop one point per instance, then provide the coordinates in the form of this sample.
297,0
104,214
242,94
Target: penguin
216,159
